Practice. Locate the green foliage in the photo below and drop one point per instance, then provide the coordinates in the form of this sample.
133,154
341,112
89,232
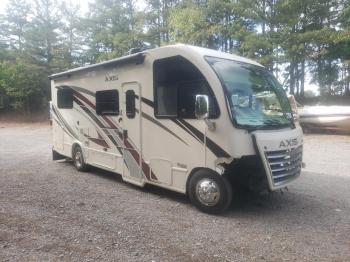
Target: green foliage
295,39
15,23
23,84
190,25
113,27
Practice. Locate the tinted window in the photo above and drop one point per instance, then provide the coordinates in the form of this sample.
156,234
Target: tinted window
176,84
107,102
65,98
130,103
166,100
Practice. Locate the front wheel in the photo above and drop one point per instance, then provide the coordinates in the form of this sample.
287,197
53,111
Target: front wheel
78,159
210,192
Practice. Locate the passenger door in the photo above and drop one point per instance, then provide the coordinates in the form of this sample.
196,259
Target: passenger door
131,123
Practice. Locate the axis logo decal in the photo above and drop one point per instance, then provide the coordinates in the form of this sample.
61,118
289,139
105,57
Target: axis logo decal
110,78
289,142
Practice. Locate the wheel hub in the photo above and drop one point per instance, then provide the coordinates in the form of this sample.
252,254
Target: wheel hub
208,192
78,159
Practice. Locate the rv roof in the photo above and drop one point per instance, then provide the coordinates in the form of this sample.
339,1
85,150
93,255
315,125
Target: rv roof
139,57
210,52
134,58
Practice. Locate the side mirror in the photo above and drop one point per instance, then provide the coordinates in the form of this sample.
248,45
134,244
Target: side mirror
202,107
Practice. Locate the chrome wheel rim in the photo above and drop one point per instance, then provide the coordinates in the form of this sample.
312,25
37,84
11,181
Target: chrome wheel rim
78,159
208,192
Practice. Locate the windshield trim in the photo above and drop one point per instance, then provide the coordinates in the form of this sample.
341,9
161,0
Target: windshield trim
249,128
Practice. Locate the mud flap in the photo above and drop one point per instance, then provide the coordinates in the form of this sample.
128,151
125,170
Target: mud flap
57,156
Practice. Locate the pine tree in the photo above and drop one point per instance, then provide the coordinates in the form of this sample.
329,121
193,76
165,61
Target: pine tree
43,39
15,23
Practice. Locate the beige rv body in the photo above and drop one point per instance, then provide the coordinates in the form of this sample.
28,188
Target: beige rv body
147,149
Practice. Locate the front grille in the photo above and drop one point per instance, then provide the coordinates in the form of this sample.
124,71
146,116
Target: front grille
284,164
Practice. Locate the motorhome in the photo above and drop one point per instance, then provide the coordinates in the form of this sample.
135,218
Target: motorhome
189,119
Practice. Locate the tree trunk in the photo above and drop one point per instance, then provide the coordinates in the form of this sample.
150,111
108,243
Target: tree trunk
291,78
302,79
320,76
297,79
263,17
347,81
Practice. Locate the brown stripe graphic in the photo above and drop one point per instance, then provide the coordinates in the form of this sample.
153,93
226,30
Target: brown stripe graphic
144,166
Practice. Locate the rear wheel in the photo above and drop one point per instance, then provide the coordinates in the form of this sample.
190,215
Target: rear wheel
78,159
210,192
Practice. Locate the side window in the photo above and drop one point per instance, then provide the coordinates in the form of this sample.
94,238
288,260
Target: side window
107,102
130,109
187,92
65,98
166,100
176,84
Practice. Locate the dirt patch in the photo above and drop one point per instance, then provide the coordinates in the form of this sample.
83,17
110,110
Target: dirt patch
51,212
24,119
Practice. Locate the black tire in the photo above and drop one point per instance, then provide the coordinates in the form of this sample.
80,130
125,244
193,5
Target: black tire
78,159
219,202
306,129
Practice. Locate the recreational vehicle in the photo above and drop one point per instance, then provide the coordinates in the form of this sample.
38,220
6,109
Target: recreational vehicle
336,118
189,119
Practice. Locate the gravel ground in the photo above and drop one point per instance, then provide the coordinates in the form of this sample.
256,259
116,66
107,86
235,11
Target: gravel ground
50,212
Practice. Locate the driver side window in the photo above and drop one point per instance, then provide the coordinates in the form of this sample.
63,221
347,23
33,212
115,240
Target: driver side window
176,84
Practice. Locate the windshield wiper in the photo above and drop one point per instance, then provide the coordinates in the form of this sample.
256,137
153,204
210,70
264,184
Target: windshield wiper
268,124
272,121
275,122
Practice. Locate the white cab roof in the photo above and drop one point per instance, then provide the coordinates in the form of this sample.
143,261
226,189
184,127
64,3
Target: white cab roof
202,52
199,52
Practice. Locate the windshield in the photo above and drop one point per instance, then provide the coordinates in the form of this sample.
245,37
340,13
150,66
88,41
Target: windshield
255,97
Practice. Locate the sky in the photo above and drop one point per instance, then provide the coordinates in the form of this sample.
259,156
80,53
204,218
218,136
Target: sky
83,4
84,8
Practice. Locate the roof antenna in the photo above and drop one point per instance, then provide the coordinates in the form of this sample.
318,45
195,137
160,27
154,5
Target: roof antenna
141,46
134,50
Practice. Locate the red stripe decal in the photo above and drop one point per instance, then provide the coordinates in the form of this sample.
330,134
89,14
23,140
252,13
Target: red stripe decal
145,167
87,101
110,123
83,98
99,142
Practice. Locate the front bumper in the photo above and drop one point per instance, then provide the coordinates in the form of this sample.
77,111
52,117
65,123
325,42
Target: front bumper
281,153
